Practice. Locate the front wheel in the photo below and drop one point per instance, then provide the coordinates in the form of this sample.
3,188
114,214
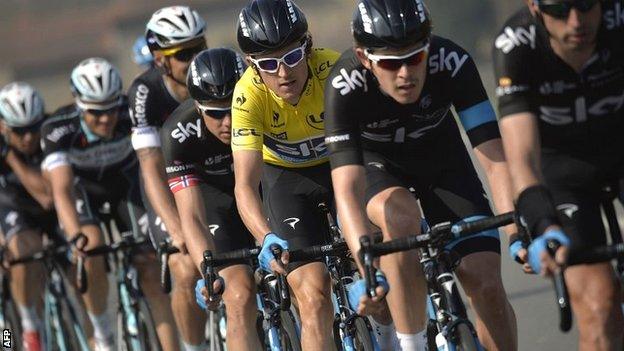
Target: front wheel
363,338
289,338
465,339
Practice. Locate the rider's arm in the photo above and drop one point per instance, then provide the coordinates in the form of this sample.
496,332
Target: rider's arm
156,188
247,172
32,180
62,180
190,204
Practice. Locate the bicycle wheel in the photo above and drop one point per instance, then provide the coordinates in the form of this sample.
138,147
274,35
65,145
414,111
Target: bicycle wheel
464,338
11,321
215,338
147,329
289,337
363,338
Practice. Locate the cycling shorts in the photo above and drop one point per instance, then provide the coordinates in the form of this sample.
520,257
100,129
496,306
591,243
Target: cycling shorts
15,220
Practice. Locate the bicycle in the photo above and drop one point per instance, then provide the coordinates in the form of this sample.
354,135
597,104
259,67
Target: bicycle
62,328
135,326
9,318
448,326
352,332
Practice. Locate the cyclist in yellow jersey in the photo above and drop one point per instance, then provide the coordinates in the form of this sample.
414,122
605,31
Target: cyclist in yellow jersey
277,137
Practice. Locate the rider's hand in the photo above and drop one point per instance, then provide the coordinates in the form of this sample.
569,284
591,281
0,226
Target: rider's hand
359,300
4,148
266,259
539,257
78,245
519,253
201,294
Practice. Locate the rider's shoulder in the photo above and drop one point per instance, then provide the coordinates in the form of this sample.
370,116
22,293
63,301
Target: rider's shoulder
61,123
321,62
145,82
518,34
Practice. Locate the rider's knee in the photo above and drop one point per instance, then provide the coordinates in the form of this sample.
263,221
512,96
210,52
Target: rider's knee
183,272
25,243
313,300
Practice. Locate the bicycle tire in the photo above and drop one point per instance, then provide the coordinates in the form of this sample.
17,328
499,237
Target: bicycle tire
13,323
216,341
363,338
465,340
68,324
289,337
147,329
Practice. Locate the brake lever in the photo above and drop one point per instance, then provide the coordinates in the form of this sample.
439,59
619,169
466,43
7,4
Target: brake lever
561,291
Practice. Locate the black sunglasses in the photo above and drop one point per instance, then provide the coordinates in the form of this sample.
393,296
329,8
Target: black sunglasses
561,9
99,113
32,129
187,54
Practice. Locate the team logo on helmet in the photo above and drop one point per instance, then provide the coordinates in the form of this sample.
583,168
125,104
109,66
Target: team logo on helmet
366,20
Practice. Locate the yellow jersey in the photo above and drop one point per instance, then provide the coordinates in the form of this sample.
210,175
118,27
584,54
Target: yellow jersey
288,135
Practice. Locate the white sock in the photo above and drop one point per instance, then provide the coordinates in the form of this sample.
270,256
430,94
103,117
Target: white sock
30,320
187,347
412,342
385,334
102,331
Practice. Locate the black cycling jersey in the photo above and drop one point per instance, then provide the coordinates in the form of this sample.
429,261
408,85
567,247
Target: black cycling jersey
150,103
11,189
358,115
66,140
193,154
579,113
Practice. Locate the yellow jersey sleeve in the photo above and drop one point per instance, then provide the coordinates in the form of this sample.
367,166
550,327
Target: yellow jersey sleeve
289,135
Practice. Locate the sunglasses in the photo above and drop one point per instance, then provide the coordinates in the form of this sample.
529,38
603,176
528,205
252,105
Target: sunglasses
32,129
561,9
394,63
215,112
290,59
185,54
99,113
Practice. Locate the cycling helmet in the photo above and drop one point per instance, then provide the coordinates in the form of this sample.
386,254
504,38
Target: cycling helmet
96,84
269,25
174,25
214,73
20,105
141,52
390,23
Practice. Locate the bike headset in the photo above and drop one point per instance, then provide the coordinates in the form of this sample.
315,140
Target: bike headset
265,26
170,27
21,106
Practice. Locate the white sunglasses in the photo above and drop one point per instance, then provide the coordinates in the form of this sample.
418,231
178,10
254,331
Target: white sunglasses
290,59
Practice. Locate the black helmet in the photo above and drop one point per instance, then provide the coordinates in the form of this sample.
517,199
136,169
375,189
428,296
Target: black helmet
214,73
269,25
390,23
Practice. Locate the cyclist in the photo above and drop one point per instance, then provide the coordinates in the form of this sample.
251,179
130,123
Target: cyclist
277,136
174,36
141,54
26,205
560,72
388,128
198,160
90,162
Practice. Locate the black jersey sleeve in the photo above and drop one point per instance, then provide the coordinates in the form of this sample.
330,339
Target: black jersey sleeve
178,150
142,108
56,135
512,56
469,97
345,99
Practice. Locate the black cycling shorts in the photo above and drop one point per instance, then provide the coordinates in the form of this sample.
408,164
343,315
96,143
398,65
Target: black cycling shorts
576,184
448,189
291,197
16,220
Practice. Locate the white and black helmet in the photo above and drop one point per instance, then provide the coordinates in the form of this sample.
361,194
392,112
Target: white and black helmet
21,105
174,25
96,84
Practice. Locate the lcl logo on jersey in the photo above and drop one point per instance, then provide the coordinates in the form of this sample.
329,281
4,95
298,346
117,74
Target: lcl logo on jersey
184,132
443,61
316,122
511,38
348,81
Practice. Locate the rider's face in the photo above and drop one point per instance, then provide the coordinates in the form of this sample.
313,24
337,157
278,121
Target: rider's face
577,30
101,122
217,117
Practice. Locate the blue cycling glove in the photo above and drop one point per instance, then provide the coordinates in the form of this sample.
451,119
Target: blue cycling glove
539,245
266,255
199,298
358,289
514,248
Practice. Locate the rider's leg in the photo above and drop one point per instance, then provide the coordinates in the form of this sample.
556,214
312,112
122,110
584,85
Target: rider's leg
190,319
159,302
396,212
480,276
240,308
26,279
312,289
